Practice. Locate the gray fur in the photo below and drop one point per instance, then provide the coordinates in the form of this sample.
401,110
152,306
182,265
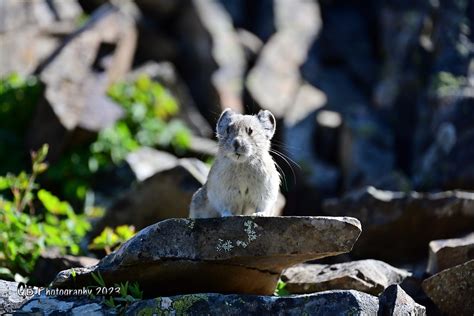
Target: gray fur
243,179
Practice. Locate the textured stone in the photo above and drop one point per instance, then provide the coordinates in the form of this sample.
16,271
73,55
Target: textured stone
369,276
452,290
447,253
238,254
394,301
215,70
275,79
10,300
76,77
30,31
326,303
398,219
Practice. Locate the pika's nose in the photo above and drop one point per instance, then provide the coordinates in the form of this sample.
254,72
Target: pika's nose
237,143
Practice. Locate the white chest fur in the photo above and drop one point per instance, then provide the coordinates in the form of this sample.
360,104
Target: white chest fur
243,188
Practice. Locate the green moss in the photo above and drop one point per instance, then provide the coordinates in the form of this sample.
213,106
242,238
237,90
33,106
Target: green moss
184,303
147,311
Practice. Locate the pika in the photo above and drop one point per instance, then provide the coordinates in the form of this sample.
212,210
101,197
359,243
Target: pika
243,179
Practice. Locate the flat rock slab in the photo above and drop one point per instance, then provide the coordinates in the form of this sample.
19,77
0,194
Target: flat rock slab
325,303
396,223
452,290
238,254
369,276
393,302
447,253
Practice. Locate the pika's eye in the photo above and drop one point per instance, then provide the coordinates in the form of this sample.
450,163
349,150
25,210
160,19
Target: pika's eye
249,131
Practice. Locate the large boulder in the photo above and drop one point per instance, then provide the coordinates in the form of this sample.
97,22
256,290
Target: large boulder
215,70
447,253
369,276
238,254
275,79
76,77
452,290
31,30
397,219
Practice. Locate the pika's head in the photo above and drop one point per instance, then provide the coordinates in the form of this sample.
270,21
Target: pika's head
244,136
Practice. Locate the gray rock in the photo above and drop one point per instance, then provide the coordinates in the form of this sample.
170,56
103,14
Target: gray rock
164,188
31,30
214,72
76,77
238,254
326,303
394,301
447,253
275,79
452,290
369,276
366,149
51,262
399,219
10,300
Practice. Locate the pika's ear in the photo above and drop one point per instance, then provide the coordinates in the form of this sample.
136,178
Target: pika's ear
268,122
224,121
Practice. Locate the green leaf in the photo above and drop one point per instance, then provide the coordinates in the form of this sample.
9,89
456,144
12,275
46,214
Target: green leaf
4,183
98,278
53,204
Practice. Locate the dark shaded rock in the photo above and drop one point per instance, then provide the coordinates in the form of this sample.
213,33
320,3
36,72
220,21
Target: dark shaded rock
326,303
10,300
214,71
397,219
275,79
238,254
50,263
366,149
369,276
394,301
359,60
447,253
254,16
446,163
76,77
452,290
31,30
166,74
164,188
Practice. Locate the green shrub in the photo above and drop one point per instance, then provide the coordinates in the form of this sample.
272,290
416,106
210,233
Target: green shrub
149,111
33,219
110,238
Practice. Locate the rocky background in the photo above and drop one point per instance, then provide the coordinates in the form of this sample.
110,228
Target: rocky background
375,109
